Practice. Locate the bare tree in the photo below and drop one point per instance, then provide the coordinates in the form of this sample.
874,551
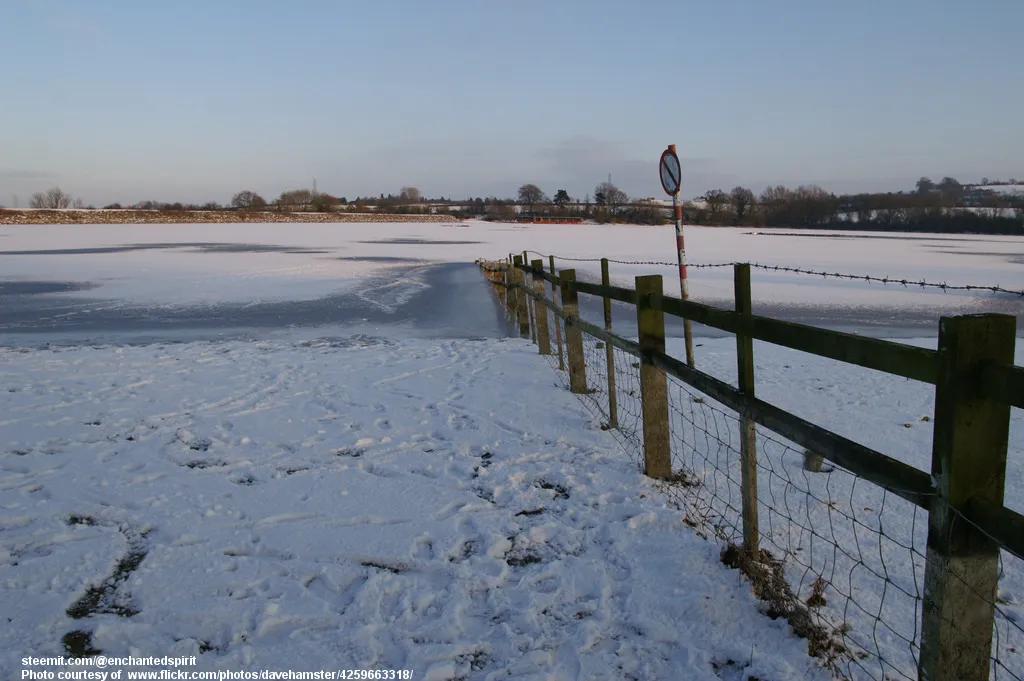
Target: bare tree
716,200
530,194
247,200
774,202
812,205
949,187
296,199
499,210
51,198
607,194
742,202
325,203
410,195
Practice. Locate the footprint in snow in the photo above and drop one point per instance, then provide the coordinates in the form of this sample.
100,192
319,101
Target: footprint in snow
423,548
381,471
559,491
460,421
464,551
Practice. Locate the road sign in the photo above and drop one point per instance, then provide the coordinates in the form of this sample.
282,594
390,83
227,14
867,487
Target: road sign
671,173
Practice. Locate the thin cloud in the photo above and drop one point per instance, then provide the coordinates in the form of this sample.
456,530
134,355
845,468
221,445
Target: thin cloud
584,161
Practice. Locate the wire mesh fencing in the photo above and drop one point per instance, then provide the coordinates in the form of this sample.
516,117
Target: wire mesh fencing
1007,600
843,560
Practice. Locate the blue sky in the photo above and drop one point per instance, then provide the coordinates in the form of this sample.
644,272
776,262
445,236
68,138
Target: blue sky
193,100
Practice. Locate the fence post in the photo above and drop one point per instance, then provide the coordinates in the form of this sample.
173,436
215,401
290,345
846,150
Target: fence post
499,280
748,432
969,445
541,310
573,335
613,398
532,309
558,324
650,322
521,305
531,306
510,291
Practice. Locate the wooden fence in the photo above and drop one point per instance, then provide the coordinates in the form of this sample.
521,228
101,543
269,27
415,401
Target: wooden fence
976,383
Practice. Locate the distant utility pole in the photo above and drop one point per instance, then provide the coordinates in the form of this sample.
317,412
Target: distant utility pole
314,186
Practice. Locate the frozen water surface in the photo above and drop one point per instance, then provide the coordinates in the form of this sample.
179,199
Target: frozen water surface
222,280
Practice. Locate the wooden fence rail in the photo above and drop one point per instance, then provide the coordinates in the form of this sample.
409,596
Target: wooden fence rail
976,385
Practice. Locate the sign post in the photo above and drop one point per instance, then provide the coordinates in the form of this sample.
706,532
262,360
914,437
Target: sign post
671,177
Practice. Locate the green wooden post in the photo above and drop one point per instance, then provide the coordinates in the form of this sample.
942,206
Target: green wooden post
573,335
650,323
613,398
522,309
543,337
969,445
558,323
748,431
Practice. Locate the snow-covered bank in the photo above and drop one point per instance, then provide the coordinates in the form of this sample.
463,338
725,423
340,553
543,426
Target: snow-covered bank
351,502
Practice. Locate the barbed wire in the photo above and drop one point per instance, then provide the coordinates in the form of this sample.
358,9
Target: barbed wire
611,260
906,283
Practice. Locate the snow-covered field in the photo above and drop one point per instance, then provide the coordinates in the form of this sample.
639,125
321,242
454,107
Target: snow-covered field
357,496
1004,188
350,503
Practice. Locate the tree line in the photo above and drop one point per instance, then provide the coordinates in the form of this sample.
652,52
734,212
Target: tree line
942,206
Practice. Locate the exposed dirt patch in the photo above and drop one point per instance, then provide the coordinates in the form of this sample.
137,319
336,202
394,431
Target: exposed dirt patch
79,644
104,598
769,583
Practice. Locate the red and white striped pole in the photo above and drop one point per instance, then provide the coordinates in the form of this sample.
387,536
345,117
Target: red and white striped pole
681,251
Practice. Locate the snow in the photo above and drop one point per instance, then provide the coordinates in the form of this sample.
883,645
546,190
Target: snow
205,264
360,497
352,503
1003,188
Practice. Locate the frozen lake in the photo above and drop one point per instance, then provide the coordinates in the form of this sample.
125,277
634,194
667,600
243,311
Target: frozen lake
131,283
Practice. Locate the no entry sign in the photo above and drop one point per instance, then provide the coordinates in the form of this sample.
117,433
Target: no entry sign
671,173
